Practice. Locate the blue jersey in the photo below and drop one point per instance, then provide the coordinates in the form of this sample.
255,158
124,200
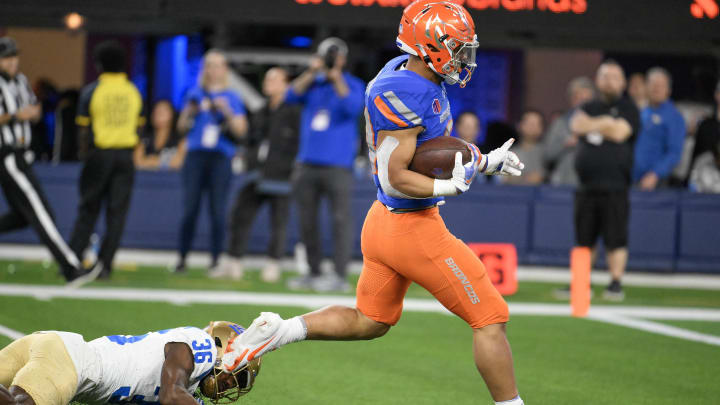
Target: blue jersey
400,99
209,132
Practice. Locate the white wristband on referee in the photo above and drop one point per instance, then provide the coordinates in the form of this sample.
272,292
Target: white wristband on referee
444,188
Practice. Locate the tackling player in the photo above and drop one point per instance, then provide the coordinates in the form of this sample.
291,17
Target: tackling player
404,238
163,367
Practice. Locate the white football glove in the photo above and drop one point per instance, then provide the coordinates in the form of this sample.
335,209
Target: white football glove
462,175
501,161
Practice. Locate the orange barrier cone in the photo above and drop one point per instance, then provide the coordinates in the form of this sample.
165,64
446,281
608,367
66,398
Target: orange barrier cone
580,281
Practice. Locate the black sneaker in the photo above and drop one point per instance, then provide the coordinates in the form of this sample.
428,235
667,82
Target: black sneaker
614,292
179,268
563,293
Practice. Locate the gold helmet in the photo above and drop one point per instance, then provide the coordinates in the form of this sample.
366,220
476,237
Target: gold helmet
220,387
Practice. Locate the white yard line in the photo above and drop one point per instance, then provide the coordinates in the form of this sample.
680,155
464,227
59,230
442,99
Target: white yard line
11,333
525,273
657,328
618,315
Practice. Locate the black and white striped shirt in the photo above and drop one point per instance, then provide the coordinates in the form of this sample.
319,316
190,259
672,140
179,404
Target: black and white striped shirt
15,93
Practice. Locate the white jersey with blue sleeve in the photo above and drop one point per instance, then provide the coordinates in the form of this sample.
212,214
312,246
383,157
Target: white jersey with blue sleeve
130,366
399,99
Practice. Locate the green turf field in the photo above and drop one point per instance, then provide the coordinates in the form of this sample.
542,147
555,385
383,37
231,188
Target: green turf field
426,359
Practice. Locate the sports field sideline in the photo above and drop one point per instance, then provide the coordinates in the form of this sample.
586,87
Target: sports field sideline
666,338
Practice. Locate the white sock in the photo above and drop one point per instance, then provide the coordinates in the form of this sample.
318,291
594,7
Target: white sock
515,401
295,330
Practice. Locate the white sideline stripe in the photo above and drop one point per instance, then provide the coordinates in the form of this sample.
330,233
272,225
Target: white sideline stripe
657,328
617,315
11,333
315,301
525,273
37,205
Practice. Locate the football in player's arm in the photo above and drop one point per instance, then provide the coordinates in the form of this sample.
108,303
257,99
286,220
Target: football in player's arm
178,366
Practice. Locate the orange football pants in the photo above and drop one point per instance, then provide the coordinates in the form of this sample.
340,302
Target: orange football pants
399,248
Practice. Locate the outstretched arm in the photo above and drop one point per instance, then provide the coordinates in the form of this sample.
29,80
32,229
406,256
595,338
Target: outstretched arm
175,377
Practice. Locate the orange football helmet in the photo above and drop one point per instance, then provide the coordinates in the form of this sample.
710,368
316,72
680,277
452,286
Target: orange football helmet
442,34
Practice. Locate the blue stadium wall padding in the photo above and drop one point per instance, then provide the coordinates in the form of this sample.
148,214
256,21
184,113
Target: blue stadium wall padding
669,230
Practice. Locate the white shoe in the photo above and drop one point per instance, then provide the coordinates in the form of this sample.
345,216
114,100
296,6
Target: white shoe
229,267
271,272
329,283
260,338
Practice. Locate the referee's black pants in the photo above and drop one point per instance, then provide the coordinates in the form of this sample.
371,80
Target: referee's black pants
28,206
107,178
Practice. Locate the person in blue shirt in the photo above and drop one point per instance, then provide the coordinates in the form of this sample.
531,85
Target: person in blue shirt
660,142
213,119
332,103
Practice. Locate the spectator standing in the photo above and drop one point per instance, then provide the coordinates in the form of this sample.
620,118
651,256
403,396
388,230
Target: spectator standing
468,128
529,150
637,90
214,119
708,132
26,198
659,144
272,145
607,126
160,145
332,102
705,175
109,115
560,144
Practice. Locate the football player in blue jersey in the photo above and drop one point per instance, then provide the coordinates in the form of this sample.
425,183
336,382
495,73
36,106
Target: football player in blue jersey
404,238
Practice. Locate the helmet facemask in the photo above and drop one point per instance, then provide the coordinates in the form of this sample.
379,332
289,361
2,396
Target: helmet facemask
221,387
462,61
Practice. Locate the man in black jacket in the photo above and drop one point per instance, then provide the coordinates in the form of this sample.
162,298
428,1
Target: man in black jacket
607,127
272,146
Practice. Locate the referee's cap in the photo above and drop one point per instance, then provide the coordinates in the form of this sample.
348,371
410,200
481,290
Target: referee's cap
8,47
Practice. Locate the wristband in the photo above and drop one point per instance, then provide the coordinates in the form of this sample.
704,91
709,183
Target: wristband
483,163
444,188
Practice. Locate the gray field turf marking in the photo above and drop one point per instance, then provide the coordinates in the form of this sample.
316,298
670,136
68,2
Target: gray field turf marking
618,315
11,333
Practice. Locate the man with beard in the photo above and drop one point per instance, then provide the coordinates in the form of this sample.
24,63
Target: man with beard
607,126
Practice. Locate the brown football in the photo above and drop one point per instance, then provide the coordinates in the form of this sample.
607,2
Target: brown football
436,158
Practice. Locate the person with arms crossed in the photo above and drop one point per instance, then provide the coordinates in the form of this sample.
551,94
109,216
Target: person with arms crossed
25,196
607,126
404,238
179,366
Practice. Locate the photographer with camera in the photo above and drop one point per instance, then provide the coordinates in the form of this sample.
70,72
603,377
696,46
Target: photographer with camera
332,103
213,120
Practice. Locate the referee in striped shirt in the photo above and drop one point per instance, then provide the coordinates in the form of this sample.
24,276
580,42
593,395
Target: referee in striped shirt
28,205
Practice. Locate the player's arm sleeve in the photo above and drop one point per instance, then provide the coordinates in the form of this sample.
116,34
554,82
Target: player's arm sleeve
291,97
391,111
354,101
175,375
675,143
82,118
